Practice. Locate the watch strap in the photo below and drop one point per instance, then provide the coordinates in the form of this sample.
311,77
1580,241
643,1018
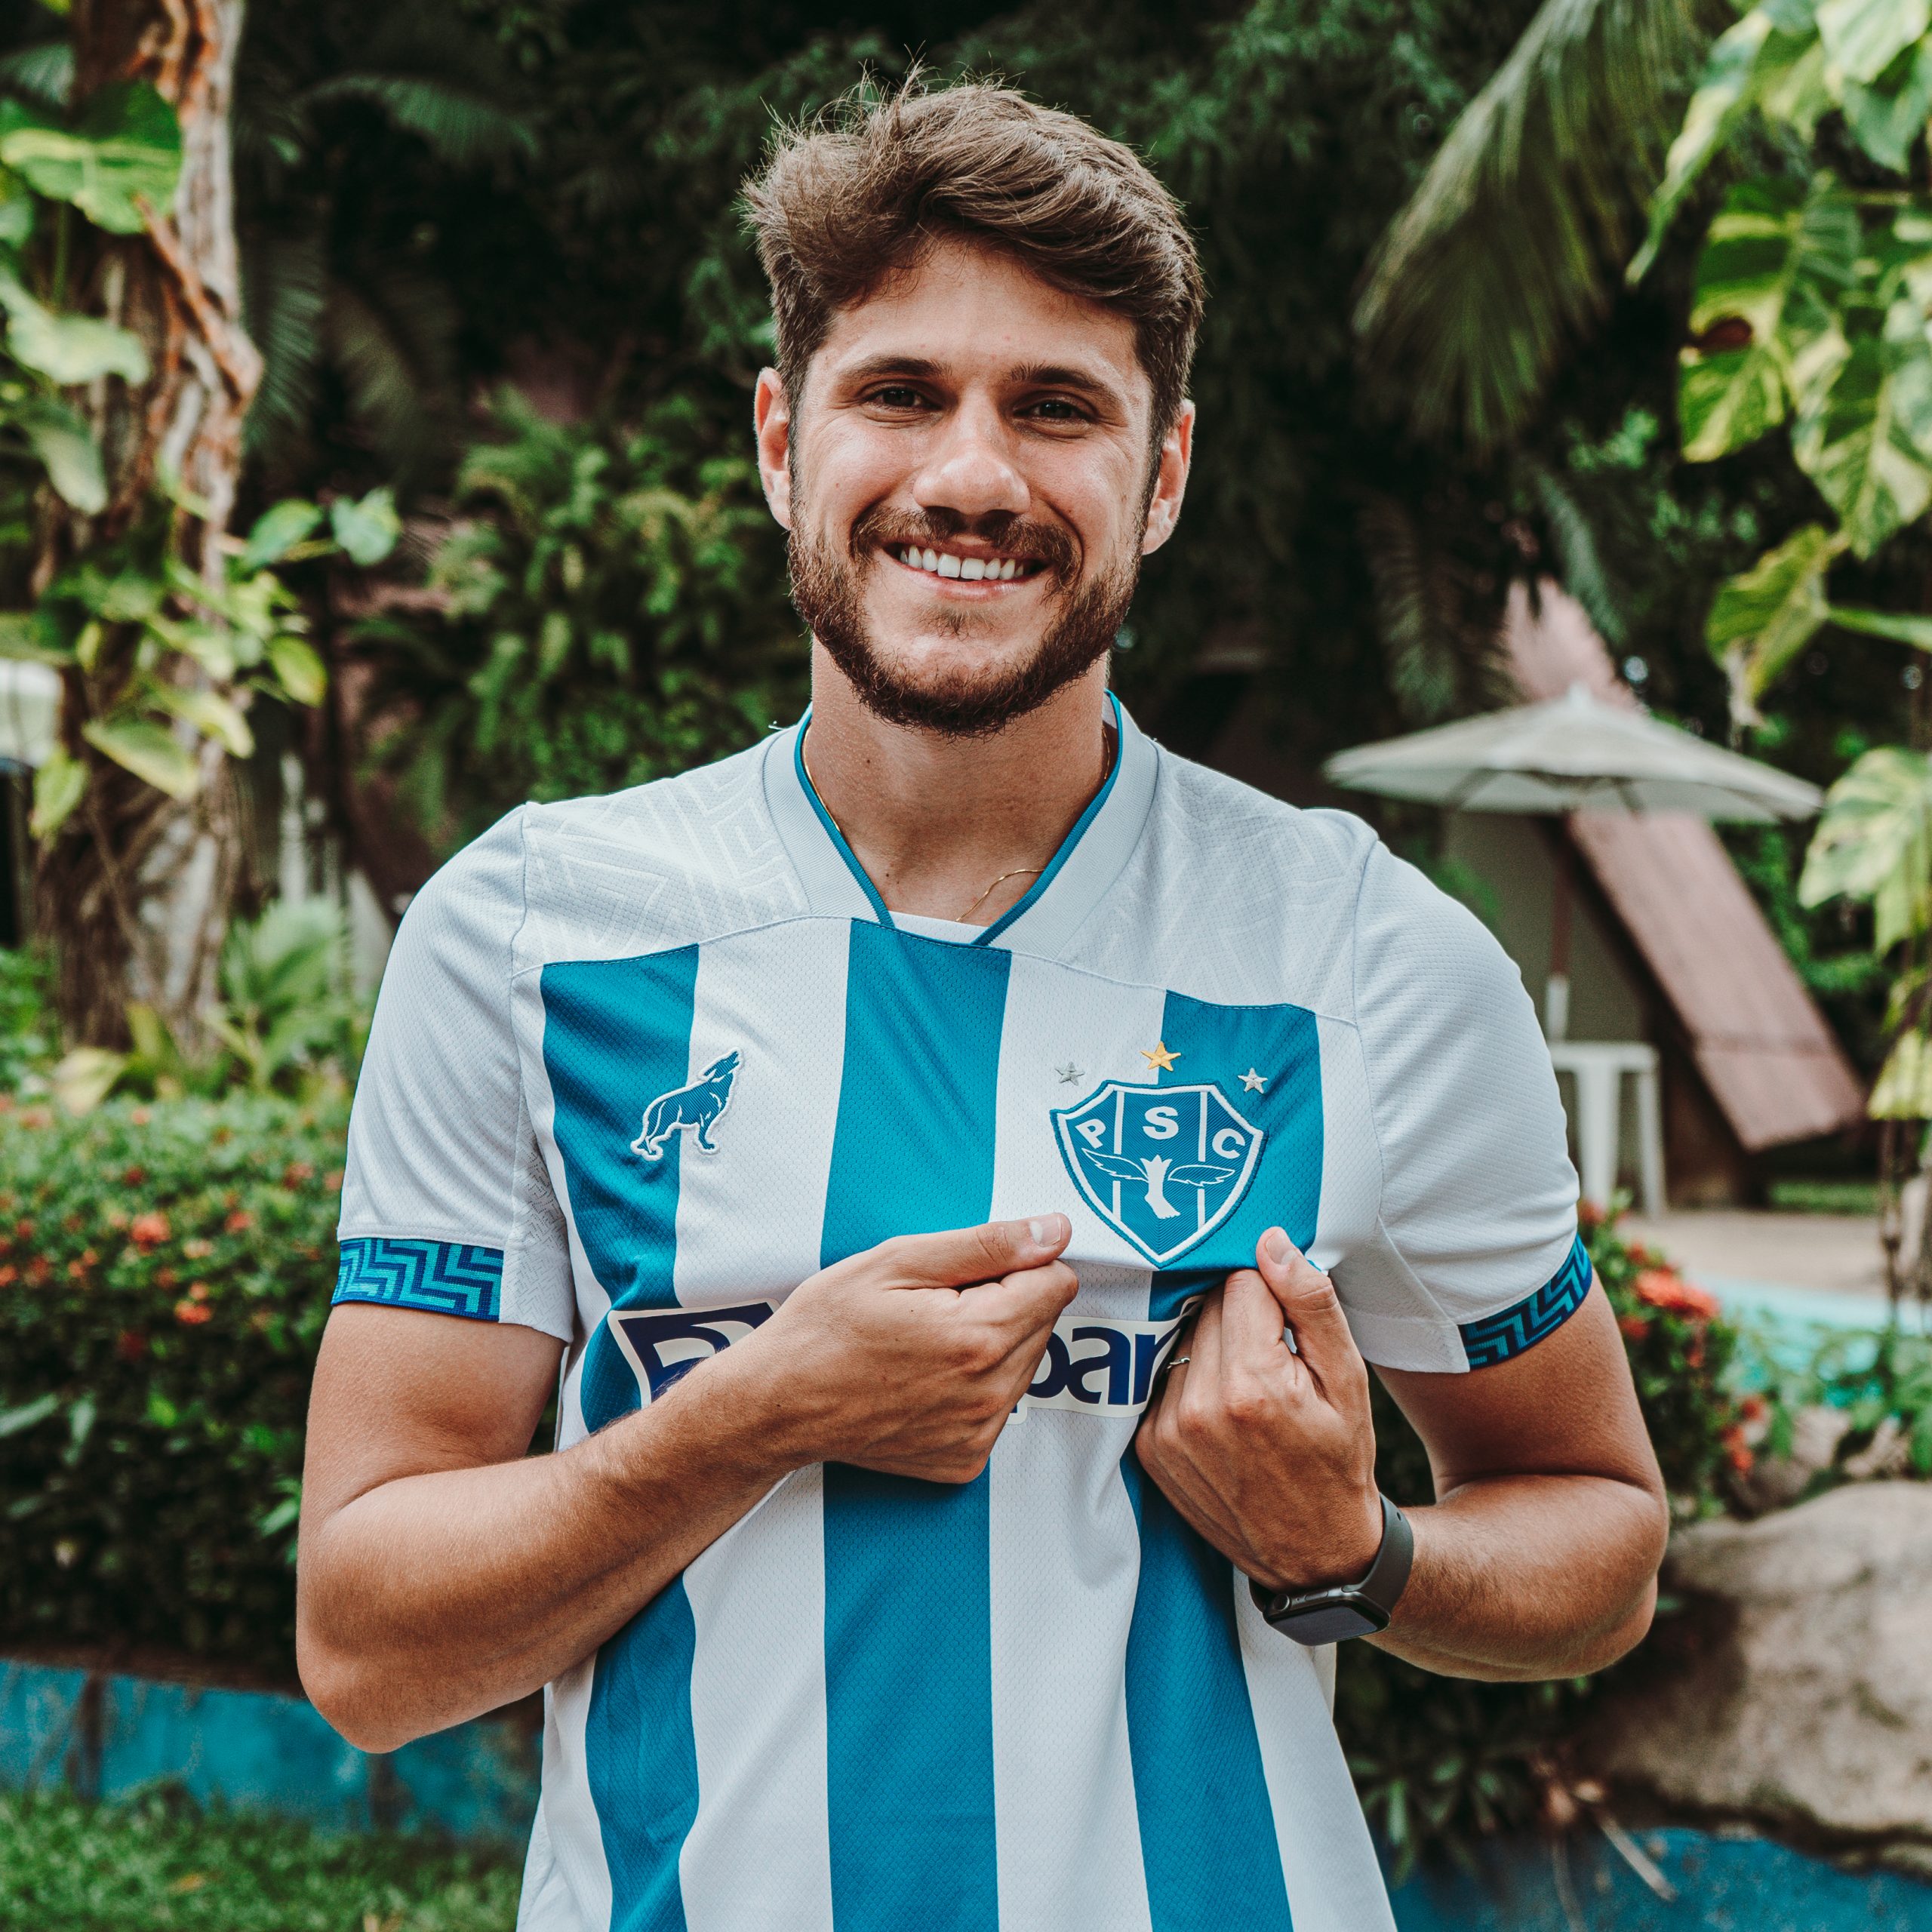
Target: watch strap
1372,1601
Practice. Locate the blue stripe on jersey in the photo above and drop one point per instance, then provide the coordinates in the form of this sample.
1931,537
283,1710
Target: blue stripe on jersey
1207,1841
908,1581
1279,1045
440,1277
641,1757
1497,1337
616,1033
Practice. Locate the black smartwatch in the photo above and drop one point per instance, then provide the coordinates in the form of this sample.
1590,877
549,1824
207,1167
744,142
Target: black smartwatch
1346,1609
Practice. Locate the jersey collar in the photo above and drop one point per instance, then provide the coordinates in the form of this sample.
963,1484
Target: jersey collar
1089,860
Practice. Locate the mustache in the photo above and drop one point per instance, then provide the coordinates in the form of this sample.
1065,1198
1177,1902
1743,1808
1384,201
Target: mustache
1011,534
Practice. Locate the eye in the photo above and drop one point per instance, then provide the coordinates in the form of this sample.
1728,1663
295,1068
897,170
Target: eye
1055,409
896,396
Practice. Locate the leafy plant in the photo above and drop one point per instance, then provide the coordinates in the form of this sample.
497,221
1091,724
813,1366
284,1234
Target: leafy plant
122,624
121,158
613,609
284,1022
164,1275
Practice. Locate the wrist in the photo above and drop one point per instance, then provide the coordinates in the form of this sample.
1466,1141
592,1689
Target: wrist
1342,1557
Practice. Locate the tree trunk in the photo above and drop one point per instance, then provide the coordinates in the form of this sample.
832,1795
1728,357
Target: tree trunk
135,890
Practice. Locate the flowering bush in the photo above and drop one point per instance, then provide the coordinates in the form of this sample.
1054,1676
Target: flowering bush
164,1275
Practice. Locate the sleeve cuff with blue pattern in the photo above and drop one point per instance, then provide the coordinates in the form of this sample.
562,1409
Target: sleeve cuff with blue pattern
439,1277
1501,1337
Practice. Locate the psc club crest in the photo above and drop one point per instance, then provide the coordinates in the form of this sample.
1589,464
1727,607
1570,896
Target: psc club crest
1165,1166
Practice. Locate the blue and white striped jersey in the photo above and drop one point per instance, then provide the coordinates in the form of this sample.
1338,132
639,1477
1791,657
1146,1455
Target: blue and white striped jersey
642,1063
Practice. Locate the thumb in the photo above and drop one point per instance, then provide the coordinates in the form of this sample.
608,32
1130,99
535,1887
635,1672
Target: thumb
1310,1307
964,1257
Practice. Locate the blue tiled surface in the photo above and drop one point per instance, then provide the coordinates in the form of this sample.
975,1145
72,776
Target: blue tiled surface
274,1753
1723,1884
479,1781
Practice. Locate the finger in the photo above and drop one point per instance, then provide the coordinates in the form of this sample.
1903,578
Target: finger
962,1257
1251,1322
1310,1308
1201,1374
1027,1301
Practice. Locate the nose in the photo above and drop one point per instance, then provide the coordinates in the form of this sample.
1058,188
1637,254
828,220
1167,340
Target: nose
971,469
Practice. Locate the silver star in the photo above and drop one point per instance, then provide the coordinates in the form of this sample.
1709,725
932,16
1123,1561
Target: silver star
1254,1082
1069,1075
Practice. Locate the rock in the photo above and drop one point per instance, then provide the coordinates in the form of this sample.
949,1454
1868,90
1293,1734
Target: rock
1796,1687
1775,1482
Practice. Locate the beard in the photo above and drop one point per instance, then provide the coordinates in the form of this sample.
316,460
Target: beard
964,704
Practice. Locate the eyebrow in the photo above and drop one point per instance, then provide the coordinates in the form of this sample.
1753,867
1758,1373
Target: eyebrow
1031,375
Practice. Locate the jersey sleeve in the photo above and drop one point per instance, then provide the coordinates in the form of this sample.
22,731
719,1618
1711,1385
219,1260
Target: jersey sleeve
1475,1256
446,1204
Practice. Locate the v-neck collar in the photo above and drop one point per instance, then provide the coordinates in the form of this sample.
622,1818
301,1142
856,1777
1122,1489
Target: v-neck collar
1089,860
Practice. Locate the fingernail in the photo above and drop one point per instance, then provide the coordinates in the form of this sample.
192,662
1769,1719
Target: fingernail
1281,1250
1047,1230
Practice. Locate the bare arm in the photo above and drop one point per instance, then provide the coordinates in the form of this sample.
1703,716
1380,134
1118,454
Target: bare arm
1539,1557
443,1573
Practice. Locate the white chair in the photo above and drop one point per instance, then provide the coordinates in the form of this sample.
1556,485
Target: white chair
1597,1067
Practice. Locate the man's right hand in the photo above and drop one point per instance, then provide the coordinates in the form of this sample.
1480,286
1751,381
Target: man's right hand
908,1358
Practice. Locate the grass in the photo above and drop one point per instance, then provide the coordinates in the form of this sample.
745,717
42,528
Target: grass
160,1864
1826,1197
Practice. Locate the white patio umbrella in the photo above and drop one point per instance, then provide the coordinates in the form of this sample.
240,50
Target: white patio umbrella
1572,754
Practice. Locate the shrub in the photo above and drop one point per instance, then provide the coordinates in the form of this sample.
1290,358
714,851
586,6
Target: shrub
164,1275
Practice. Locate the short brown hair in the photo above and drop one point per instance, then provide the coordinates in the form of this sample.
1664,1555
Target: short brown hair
863,192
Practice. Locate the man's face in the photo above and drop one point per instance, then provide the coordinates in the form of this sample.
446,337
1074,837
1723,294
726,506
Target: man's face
966,483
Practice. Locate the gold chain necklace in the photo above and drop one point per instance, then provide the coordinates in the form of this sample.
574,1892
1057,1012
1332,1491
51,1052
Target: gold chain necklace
1018,872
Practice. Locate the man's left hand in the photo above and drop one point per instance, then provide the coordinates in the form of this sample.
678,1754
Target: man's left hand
1268,1451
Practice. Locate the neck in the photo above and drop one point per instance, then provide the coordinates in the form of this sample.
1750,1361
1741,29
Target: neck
935,821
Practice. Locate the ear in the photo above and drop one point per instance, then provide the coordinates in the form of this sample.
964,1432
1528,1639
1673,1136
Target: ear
771,420
1170,482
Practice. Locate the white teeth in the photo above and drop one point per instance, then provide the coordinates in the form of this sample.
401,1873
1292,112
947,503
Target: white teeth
949,565
1006,569
969,570
929,560
972,569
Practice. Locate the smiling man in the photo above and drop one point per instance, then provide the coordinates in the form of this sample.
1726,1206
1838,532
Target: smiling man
961,1157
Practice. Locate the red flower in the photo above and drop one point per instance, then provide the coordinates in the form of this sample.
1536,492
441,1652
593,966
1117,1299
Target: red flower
1754,1408
198,1291
193,1314
130,1345
1633,1326
149,1230
1665,1288
134,1177
165,1278
296,1172
240,1222
1737,1451
9,1276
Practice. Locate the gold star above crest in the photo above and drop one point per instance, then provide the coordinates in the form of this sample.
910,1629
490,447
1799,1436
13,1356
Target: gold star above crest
1160,1057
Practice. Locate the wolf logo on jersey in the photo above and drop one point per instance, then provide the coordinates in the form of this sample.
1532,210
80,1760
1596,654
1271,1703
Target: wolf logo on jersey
1163,1165
694,1108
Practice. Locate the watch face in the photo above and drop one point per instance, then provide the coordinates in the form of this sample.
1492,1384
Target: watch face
1329,1622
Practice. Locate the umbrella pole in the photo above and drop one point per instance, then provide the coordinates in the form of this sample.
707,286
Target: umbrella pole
1556,990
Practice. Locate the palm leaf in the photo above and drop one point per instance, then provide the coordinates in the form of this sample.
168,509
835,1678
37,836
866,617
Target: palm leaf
460,125
1510,245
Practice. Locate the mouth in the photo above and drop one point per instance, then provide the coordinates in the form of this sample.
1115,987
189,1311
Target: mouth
965,567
